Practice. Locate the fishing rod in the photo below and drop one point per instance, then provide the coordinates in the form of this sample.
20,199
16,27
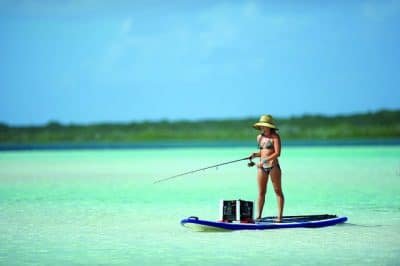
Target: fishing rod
251,163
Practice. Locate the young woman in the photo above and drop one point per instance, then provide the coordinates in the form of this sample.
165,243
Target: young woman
269,144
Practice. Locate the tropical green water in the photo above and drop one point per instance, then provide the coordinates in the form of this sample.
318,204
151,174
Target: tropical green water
101,207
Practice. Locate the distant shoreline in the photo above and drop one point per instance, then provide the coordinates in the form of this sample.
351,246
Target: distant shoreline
191,144
367,127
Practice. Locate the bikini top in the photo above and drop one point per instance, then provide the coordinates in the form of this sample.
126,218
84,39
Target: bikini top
268,144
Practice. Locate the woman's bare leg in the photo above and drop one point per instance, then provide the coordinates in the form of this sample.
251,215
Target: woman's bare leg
276,179
262,180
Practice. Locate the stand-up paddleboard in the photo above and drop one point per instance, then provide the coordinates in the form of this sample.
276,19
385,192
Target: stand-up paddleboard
307,221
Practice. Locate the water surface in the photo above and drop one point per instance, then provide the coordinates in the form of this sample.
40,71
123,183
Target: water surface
101,207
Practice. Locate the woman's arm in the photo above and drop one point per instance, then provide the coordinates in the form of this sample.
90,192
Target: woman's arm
256,154
277,149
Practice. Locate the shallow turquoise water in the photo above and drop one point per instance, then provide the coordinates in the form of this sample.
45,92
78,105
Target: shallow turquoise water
101,207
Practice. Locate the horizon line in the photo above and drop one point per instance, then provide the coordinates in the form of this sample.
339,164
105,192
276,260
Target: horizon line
215,119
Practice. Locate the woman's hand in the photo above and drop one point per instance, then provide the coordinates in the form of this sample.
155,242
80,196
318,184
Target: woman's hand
266,163
254,155
271,162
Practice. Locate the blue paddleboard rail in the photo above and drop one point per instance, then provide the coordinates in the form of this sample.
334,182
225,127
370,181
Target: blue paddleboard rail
305,221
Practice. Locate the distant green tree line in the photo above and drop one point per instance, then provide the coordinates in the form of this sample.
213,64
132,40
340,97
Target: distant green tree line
382,124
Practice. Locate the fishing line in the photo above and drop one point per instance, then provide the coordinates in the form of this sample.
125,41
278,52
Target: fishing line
251,163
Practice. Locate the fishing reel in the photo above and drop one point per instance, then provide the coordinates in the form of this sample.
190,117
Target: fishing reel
251,163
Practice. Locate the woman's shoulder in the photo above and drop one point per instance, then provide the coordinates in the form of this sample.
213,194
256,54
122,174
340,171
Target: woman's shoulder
275,136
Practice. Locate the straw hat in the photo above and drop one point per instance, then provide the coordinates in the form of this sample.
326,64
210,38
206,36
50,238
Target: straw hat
265,121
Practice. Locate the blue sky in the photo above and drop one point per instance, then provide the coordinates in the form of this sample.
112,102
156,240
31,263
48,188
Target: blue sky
103,61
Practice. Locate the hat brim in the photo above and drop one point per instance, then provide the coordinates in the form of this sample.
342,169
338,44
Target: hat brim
263,124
